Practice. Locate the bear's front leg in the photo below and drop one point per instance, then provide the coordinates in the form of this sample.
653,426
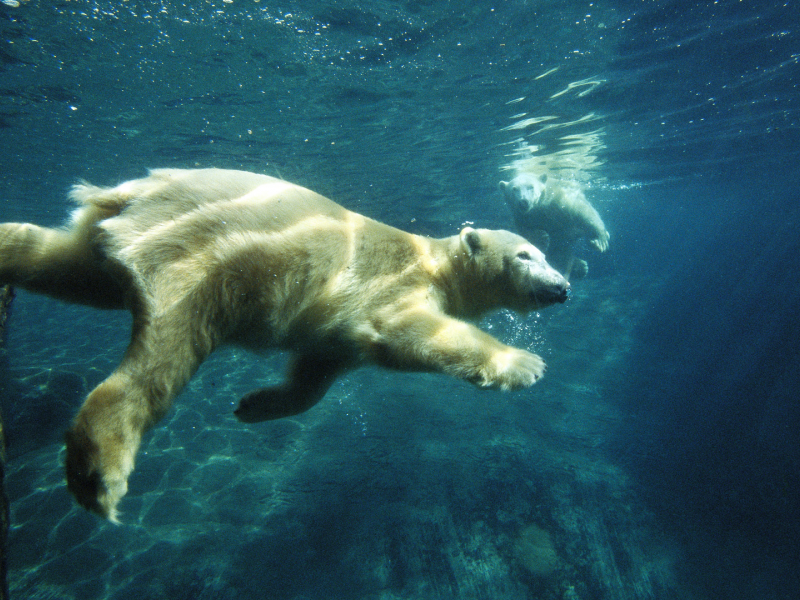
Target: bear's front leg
420,340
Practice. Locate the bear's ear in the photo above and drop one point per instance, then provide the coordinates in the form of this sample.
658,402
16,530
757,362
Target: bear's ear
470,241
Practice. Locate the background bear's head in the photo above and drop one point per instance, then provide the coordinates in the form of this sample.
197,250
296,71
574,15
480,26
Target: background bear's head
523,192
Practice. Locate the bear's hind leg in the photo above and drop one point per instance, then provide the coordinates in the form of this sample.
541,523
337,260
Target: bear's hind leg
106,433
102,444
308,380
57,262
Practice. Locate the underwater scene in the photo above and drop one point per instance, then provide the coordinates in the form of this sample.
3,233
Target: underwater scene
650,149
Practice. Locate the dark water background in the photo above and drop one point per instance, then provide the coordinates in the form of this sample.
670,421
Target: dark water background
661,454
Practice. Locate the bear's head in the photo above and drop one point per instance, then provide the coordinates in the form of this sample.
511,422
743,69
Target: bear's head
524,191
507,271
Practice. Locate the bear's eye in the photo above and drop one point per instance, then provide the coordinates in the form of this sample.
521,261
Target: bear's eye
524,255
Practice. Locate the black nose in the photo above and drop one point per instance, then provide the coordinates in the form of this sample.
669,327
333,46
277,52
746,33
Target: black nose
564,292
555,292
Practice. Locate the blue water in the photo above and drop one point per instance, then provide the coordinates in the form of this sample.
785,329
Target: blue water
659,457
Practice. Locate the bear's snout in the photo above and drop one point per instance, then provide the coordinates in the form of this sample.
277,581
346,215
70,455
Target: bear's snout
554,292
561,291
565,293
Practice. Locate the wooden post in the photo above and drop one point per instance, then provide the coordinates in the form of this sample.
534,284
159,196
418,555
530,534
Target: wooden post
6,297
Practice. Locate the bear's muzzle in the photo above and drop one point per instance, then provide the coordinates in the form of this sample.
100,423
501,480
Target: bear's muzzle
557,292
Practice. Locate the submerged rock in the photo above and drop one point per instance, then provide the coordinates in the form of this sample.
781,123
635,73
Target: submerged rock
535,551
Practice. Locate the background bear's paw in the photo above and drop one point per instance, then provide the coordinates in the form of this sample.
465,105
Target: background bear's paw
512,369
601,242
579,270
93,488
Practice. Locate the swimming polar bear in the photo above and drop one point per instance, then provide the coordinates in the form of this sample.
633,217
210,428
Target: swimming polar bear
206,257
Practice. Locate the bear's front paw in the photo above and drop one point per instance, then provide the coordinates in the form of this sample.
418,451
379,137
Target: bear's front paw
265,404
253,407
512,369
97,479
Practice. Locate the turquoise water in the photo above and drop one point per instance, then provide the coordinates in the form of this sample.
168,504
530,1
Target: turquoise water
659,456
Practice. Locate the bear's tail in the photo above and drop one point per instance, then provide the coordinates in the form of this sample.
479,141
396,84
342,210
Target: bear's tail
98,203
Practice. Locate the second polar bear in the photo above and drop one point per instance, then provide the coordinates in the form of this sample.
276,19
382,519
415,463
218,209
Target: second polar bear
554,214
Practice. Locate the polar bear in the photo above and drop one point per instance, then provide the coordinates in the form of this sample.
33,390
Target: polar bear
554,214
206,257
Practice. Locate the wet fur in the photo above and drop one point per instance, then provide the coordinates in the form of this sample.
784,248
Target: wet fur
205,257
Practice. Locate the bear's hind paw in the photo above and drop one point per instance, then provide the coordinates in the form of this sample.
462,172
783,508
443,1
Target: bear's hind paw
94,490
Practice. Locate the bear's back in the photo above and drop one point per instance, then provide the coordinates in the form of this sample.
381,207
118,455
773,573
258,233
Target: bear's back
179,194
177,217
